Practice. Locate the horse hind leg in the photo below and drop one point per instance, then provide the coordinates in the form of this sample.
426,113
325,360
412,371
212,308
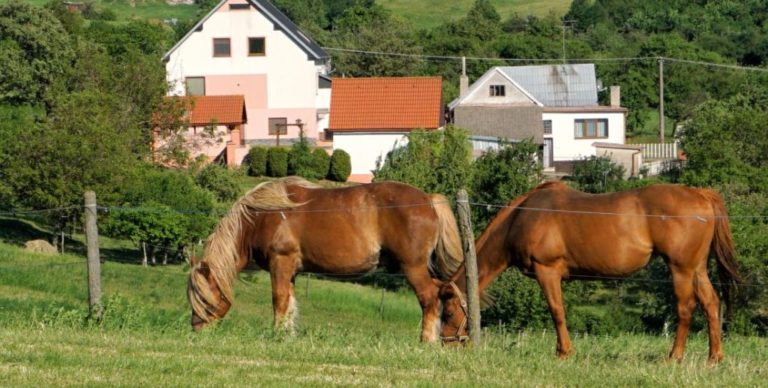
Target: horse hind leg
549,279
710,303
682,281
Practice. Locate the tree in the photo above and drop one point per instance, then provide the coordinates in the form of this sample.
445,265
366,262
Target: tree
35,50
501,175
341,166
220,181
597,174
434,161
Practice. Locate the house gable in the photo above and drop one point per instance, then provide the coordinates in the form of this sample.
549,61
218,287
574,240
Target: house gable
497,89
275,16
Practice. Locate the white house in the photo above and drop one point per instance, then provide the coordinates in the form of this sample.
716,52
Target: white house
370,116
555,105
249,48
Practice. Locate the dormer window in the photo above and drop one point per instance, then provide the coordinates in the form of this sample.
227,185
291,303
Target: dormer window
498,91
236,7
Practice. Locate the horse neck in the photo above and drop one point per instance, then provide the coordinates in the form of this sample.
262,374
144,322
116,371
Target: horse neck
225,250
492,254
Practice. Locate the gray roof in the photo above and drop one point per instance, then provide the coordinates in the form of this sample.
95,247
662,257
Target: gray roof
280,21
557,85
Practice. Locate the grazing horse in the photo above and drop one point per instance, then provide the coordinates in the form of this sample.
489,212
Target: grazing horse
291,225
555,232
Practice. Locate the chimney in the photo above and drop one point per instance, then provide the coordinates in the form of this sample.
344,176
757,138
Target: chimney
615,96
463,80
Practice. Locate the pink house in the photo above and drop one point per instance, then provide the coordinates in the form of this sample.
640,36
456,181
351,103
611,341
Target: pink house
249,49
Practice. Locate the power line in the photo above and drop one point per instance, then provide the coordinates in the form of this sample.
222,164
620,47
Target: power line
546,60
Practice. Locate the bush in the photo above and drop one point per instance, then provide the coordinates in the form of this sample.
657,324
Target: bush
321,162
341,166
300,160
257,161
220,181
597,174
277,162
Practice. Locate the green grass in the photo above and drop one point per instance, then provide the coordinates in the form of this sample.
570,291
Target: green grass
142,9
344,339
431,13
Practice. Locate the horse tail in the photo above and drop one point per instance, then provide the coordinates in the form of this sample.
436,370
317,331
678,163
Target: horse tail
724,251
448,252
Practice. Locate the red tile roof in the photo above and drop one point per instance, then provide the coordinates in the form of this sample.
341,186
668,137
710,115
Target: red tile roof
385,104
224,110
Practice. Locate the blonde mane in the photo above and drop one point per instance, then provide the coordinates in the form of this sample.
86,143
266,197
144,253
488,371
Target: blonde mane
223,246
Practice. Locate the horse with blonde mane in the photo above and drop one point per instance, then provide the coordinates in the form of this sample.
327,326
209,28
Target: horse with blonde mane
554,233
291,225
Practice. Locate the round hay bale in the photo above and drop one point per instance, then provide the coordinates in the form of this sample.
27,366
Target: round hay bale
40,246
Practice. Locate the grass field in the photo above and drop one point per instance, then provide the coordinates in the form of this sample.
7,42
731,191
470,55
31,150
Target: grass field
140,9
431,13
349,335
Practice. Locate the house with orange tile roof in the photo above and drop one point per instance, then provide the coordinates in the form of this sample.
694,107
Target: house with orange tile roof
371,116
247,55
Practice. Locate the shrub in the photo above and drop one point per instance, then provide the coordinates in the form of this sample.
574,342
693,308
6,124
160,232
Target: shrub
597,174
277,162
257,161
321,162
341,166
300,160
218,180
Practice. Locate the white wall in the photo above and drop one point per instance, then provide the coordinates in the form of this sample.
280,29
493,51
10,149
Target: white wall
364,149
482,94
567,147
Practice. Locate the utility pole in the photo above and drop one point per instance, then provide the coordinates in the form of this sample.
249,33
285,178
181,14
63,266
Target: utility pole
566,23
661,100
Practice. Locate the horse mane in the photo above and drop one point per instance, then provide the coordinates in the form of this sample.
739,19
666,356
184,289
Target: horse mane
223,246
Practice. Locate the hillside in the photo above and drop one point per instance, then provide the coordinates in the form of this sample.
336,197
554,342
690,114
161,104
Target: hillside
349,335
430,13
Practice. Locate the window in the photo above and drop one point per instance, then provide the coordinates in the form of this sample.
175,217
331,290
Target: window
221,47
547,127
195,86
239,6
256,47
497,91
591,128
278,125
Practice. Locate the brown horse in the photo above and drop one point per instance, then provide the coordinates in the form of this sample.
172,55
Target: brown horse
555,232
290,226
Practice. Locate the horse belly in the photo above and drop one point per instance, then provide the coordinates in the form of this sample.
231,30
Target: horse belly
353,260
617,260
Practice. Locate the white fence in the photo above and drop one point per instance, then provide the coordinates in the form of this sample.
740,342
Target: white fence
659,151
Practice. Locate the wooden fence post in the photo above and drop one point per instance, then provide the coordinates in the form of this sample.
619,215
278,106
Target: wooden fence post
94,261
470,264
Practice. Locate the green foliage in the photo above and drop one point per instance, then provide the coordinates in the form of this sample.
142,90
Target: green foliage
597,174
502,175
727,142
434,161
163,208
340,166
321,162
518,303
220,181
277,162
301,162
257,161
35,50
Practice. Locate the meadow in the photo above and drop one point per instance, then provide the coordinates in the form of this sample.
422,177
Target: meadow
349,334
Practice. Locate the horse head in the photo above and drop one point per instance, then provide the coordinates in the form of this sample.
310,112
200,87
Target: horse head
206,298
454,316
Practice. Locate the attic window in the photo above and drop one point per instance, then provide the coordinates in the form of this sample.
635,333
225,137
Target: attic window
221,47
256,47
239,6
497,91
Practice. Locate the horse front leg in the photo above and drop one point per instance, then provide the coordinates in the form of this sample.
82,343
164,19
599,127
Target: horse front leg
682,281
282,271
549,279
426,292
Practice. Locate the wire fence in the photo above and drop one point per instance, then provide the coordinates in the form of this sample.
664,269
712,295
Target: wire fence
20,213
